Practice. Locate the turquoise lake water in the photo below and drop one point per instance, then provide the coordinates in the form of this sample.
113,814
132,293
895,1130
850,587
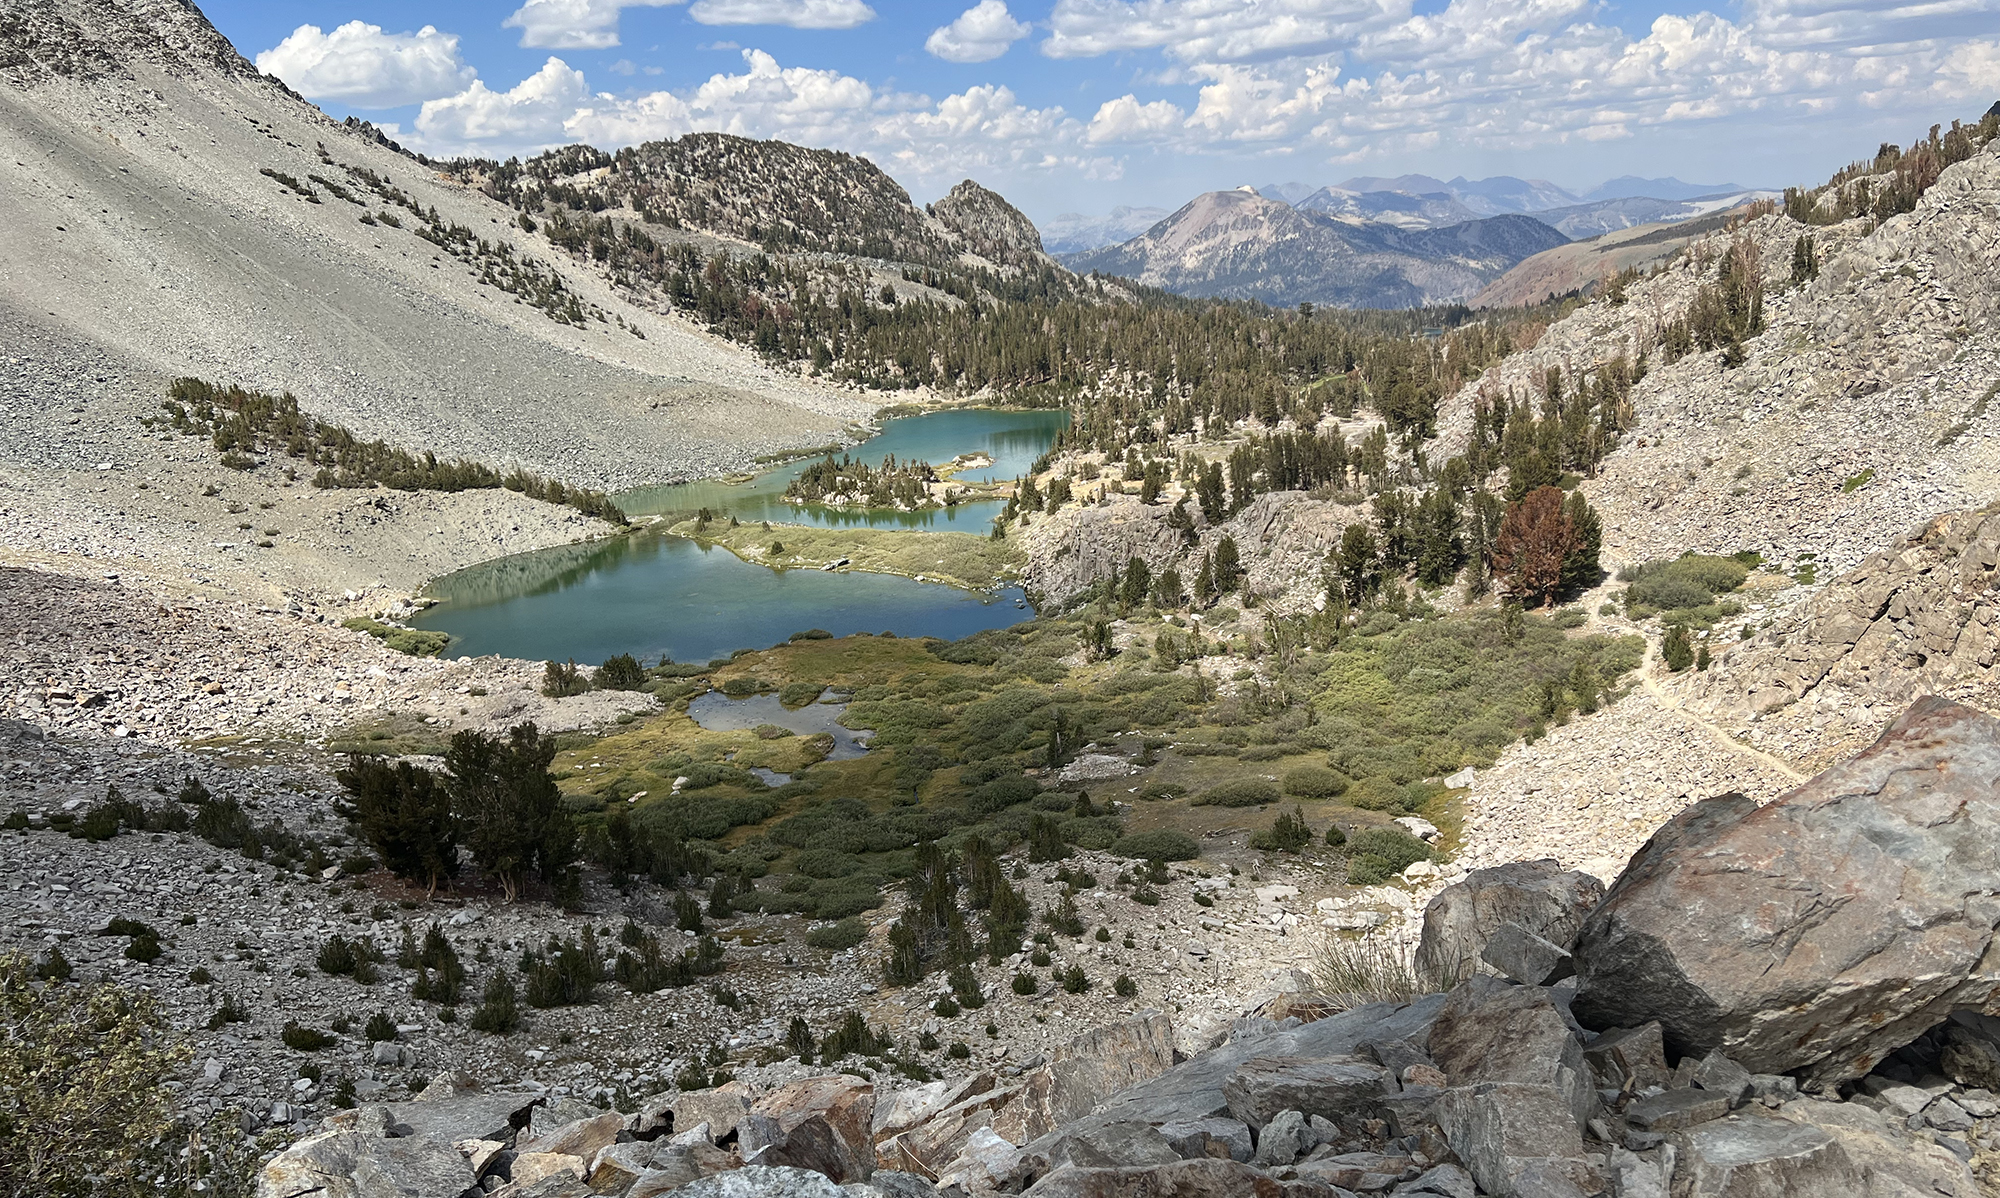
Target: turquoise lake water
650,594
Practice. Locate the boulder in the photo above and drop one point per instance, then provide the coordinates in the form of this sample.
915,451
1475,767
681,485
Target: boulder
1671,1110
341,1163
1504,1132
719,1107
531,1167
1897,1164
1283,1140
1539,897
1334,1087
758,1181
1637,1055
1210,1178
1724,1076
887,1183
583,1138
464,1112
1222,1138
1117,1145
1823,931
821,1123
1759,1156
1489,1032
1449,1181
1527,958
1090,1068
1971,1055
987,1162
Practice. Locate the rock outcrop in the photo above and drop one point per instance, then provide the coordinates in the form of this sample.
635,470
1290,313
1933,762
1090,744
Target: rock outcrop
1823,931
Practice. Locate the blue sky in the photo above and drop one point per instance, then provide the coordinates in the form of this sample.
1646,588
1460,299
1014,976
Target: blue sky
1080,105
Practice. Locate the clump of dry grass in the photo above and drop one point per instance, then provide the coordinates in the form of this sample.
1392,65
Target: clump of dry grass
1355,971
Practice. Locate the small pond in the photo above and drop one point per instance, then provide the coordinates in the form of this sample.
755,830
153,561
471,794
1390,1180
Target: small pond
718,712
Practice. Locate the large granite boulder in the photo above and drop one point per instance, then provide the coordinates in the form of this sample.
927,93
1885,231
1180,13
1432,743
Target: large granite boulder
1537,897
1819,933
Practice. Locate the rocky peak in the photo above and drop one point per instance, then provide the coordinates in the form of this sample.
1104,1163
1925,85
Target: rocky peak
92,39
991,227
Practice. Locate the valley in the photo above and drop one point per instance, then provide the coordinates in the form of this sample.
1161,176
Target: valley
567,650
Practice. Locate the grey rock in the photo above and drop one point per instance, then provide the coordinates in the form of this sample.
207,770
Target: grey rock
1282,1140
1334,1087
351,1164
1209,1178
465,1115
1671,1110
1946,1115
1527,958
1637,1055
1448,1180
763,1181
1759,1156
1539,897
1217,1137
1846,969
1502,1131
1636,1176
888,1183
1116,1145
1721,1075
1971,1055
1489,1031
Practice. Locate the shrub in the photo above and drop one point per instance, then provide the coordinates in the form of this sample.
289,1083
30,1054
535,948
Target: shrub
1159,844
1245,792
509,810
1336,837
1063,916
1288,834
826,863
1377,794
85,1070
958,1051
1025,984
1677,649
1315,782
945,1008
837,937
799,694
564,679
1375,854
799,1039
305,1039
566,975
619,673
380,1027
497,1012
1074,980
1125,987
144,949
853,1038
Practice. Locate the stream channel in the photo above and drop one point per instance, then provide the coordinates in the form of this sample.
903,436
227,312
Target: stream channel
651,594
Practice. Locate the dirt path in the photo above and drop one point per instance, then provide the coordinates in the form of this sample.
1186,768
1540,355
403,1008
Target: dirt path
1667,700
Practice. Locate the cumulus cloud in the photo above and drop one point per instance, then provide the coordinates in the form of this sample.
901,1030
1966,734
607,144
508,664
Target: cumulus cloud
799,14
1214,30
530,115
573,24
1127,120
359,65
981,33
979,130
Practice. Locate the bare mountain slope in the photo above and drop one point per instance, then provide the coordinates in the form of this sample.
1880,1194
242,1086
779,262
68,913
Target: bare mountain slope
170,205
1240,245
1864,408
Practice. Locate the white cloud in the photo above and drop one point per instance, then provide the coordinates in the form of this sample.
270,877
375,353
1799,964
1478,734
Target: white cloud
1214,30
1127,120
799,14
479,120
573,24
362,66
980,130
981,33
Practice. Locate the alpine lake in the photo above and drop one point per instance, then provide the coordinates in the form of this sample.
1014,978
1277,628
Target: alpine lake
654,593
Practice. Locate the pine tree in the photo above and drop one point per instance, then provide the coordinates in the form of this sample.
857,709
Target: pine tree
405,815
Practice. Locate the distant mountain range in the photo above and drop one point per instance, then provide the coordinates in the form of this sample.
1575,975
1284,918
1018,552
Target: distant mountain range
1244,245
1369,241
1073,232
1424,202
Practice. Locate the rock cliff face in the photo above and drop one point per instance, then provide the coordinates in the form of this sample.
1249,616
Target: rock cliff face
991,228
1921,616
